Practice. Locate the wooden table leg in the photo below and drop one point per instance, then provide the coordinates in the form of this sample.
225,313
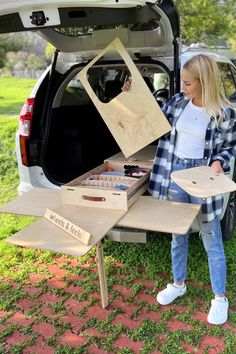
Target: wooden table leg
102,275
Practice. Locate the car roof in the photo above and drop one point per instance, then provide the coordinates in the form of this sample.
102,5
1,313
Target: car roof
188,53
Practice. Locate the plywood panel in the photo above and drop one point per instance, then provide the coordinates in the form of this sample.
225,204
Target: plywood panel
33,203
143,158
149,213
46,236
202,182
134,117
81,192
68,226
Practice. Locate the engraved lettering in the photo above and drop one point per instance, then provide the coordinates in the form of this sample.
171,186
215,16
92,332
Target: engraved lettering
67,226
56,220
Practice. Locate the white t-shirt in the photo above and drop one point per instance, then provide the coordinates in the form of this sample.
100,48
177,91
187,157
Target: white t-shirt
191,131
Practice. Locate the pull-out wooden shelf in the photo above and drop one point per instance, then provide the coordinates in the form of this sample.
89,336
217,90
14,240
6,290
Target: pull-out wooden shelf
99,190
149,213
45,235
33,203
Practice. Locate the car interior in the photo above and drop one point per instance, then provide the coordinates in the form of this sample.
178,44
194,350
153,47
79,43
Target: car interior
78,138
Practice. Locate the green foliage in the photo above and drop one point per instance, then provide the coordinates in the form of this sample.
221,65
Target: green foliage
126,351
146,330
34,62
57,307
24,60
8,166
7,44
206,20
50,49
15,55
64,349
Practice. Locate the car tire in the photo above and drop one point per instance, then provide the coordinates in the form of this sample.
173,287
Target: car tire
229,219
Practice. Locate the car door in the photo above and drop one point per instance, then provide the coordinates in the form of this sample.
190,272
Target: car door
228,73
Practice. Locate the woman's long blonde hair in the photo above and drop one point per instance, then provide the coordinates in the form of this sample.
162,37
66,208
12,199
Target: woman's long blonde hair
206,70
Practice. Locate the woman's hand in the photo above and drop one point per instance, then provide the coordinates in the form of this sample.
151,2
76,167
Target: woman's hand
127,85
216,165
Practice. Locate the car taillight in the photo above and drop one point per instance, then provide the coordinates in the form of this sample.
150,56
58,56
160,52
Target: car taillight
26,117
25,127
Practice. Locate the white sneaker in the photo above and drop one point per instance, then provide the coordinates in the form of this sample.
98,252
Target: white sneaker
168,295
218,313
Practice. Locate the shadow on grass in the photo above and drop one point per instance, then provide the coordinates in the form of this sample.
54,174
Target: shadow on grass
11,109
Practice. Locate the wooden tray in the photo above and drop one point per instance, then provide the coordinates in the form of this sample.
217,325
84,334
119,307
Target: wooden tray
202,182
95,190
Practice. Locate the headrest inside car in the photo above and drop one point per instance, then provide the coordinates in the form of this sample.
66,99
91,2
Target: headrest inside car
112,89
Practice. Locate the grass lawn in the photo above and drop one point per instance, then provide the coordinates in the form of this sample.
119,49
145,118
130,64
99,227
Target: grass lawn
13,93
49,302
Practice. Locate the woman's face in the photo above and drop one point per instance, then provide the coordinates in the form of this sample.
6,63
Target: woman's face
191,87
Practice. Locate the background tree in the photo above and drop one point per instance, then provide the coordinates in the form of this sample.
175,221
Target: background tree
207,21
7,44
50,49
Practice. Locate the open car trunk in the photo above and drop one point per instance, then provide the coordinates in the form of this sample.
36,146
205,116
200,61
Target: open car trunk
75,136
69,137
78,141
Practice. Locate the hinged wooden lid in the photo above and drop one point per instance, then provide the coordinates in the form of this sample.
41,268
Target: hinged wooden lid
202,182
134,117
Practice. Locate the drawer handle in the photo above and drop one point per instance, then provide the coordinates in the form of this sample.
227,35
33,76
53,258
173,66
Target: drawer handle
93,199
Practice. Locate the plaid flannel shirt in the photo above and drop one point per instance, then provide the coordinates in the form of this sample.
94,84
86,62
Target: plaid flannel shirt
220,144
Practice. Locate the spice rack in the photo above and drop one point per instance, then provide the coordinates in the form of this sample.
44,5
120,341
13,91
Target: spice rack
99,188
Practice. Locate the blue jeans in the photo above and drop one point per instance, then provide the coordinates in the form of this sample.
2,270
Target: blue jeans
210,234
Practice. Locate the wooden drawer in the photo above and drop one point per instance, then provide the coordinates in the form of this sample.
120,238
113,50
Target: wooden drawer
102,190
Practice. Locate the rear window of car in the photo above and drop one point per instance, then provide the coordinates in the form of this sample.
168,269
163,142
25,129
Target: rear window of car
89,30
228,80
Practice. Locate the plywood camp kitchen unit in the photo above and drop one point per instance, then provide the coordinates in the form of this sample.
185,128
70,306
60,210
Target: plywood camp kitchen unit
77,217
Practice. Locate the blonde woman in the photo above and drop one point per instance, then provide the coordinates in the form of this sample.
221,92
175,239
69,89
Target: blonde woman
203,133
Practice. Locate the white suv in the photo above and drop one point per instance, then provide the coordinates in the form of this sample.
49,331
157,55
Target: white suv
61,134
